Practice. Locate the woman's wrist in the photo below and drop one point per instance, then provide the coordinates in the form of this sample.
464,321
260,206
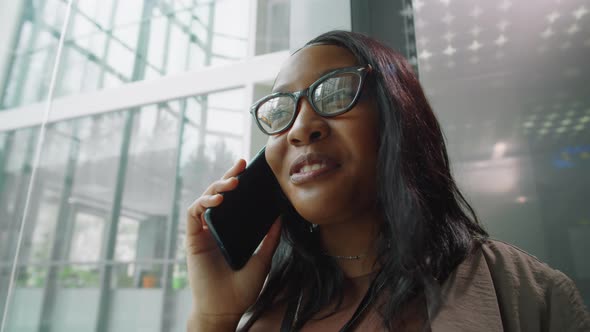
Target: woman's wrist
218,323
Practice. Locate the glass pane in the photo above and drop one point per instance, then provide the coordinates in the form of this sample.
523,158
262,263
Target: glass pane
512,96
27,299
112,42
86,237
126,247
105,224
75,295
139,308
25,77
16,161
29,77
66,218
272,26
102,208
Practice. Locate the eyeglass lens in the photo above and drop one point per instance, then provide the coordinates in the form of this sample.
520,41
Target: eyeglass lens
330,97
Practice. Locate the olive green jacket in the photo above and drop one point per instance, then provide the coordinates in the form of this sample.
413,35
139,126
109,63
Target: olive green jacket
502,288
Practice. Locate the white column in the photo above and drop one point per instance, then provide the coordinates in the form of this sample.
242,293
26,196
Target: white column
310,18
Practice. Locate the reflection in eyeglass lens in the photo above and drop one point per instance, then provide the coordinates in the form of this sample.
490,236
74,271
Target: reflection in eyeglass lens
275,113
336,93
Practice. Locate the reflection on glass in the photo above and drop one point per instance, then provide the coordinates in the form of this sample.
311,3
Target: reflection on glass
145,275
78,276
31,277
272,26
105,226
107,209
112,42
180,277
86,237
26,78
127,235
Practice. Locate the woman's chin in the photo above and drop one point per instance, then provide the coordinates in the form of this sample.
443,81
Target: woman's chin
328,203
317,213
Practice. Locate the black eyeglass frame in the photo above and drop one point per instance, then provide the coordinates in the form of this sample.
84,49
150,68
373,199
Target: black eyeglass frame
361,71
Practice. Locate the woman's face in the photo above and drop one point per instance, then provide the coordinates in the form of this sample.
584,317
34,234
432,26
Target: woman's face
344,147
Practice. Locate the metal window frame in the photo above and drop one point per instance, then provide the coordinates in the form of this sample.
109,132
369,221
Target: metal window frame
252,70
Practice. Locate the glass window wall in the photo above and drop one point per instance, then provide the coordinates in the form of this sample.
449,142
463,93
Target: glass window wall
106,214
113,42
102,243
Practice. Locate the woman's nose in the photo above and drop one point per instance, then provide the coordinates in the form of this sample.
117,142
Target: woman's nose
308,126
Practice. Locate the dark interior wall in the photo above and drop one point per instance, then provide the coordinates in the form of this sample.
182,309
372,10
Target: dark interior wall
390,21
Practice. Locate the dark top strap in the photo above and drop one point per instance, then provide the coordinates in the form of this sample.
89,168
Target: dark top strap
289,317
358,313
349,326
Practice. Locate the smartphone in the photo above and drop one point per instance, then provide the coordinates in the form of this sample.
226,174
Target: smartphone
246,213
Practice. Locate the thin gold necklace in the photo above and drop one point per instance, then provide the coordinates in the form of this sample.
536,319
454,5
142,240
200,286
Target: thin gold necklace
353,257
350,258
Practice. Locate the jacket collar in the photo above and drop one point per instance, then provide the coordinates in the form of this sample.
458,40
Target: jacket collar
469,301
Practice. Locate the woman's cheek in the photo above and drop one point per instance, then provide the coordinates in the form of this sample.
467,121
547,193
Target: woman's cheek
274,157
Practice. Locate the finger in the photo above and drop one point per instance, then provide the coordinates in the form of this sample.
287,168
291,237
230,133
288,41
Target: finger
236,169
196,210
223,185
268,246
220,186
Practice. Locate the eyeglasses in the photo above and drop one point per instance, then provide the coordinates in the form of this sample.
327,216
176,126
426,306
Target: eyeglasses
332,94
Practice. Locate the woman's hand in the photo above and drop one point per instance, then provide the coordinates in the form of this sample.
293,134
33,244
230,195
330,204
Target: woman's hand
220,294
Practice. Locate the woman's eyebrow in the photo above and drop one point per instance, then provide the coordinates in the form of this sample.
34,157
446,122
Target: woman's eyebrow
279,88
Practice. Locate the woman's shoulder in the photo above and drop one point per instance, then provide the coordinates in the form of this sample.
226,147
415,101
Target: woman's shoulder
514,269
509,259
526,285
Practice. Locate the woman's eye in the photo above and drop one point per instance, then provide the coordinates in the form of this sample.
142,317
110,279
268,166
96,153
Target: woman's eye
339,99
280,117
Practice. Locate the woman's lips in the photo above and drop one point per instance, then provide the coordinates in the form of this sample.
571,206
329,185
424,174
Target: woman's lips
310,166
304,177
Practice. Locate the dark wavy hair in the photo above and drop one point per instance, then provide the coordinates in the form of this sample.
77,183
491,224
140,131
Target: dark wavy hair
428,228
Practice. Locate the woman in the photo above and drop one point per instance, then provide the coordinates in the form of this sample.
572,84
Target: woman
383,239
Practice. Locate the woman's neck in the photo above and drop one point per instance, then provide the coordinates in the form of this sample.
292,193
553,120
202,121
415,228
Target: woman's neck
352,245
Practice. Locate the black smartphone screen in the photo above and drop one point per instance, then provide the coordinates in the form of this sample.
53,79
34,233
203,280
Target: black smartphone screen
244,217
